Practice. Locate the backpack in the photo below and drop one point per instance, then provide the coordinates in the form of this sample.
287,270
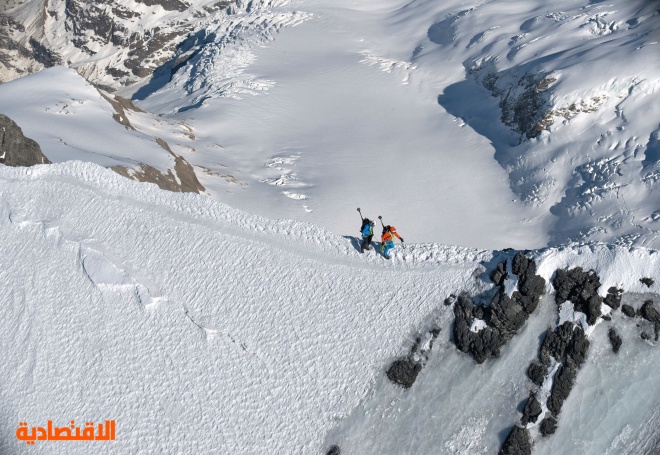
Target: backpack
365,221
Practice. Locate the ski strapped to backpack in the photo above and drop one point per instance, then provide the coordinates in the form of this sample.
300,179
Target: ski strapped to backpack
365,221
386,228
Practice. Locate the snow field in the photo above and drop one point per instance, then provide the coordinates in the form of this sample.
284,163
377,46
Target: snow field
184,320
201,328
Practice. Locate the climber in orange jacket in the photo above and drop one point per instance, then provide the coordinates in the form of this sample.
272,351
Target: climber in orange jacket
389,232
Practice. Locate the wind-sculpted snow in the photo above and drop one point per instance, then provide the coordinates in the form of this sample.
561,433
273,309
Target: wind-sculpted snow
182,318
201,328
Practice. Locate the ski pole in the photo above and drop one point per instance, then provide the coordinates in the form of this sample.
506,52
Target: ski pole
360,214
381,221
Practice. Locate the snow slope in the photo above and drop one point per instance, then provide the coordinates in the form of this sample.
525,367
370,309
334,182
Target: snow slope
480,124
203,329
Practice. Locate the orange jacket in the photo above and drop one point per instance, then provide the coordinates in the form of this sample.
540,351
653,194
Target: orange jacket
387,236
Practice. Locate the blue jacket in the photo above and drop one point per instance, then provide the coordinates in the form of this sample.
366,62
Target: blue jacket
368,230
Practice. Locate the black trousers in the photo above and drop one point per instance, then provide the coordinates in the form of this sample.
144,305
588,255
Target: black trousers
366,242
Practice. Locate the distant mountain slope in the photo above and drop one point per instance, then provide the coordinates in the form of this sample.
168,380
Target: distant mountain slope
111,43
300,109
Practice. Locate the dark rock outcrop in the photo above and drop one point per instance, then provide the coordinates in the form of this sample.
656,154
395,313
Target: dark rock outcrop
615,339
15,148
581,288
561,386
537,372
647,281
532,410
648,312
628,310
578,346
613,297
517,442
504,316
555,342
404,371
548,426
334,450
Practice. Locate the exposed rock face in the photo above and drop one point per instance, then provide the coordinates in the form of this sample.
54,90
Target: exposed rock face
532,410
185,180
15,148
548,426
581,288
334,450
111,42
613,298
537,372
505,315
648,312
555,342
517,443
615,339
524,103
561,386
404,371
628,311
647,281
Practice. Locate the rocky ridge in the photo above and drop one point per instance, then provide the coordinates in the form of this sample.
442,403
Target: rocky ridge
15,148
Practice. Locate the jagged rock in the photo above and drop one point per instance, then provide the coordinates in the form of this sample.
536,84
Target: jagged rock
645,336
529,302
581,288
485,344
15,148
578,346
615,339
522,265
537,372
504,316
592,308
613,297
555,342
628,310
507,315
185,180
478,312
647,281
575,284
529,283
532,285
517,443
532,410
450,300
548,426
499,274
648,312
334,450
462,320
404,372
562,385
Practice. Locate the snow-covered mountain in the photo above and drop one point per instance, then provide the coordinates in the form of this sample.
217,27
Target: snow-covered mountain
294,109
515,146
199,328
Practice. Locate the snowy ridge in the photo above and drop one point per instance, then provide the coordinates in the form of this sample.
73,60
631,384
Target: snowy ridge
184,318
